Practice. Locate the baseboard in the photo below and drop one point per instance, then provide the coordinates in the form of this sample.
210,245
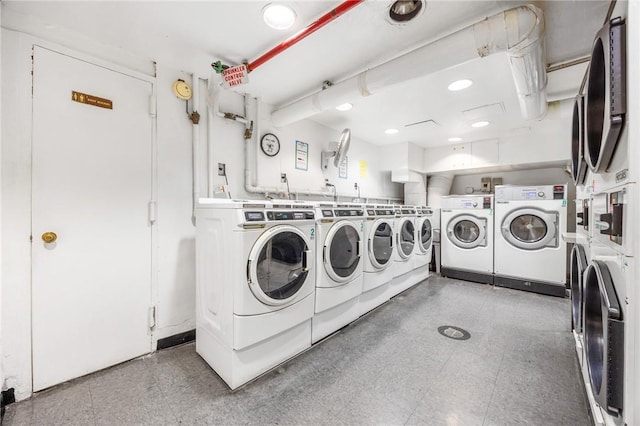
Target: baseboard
6,397
177,339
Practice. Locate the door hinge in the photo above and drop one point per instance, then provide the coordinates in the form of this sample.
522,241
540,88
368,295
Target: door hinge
152,317
153,106
152,212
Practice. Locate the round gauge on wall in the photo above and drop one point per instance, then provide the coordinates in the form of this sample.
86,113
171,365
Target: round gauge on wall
182,90
270,144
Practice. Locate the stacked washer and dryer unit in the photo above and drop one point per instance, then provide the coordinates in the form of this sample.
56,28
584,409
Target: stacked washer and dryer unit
604,273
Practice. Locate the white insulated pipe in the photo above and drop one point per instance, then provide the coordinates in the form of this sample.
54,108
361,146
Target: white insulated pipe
519,32
195,148
438,186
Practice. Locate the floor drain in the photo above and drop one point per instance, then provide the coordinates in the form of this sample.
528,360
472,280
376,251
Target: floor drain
455,333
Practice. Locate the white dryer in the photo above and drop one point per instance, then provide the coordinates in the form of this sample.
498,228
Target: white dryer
529,251
424,242
255,285
609,335
404,254
467,237
378,262
339,272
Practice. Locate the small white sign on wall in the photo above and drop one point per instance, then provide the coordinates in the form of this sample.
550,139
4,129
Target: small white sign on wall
343,170
302,155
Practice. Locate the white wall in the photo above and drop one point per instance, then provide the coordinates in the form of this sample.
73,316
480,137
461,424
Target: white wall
173,277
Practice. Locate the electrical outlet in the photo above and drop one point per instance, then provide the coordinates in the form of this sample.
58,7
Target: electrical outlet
222,169
283,178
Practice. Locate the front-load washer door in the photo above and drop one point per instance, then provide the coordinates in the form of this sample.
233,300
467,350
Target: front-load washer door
531,229
381,244
603,337
606,102
578,266
277,265
425,235
341,251
405,238
467,231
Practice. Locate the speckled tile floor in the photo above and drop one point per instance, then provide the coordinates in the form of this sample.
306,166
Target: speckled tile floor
390,367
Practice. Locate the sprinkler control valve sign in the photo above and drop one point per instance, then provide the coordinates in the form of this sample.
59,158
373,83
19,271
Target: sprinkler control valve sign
235,76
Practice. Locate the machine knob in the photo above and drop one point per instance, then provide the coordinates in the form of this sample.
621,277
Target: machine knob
540,194
49,237
475,204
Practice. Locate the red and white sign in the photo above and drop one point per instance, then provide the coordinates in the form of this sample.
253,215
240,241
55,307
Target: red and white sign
235,76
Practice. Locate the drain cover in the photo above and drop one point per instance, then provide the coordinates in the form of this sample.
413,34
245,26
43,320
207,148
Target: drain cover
455,333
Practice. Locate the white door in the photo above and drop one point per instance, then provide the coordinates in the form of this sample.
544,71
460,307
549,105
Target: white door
91,287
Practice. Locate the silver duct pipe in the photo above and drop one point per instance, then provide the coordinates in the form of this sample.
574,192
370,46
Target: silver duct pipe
519,32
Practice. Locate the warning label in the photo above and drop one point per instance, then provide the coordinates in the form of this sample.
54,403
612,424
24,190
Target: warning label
235,76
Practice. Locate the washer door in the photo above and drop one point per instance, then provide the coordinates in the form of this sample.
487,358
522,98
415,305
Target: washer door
603,337
467,231
606,102
531,229
578,165
578,265
381,244
341,251
425,234
277,265
405,238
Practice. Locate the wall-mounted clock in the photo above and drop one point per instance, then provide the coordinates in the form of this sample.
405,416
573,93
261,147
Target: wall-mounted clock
270,144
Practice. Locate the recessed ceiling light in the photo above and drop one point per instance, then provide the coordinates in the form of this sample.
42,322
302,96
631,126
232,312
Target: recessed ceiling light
455,139
278,16
391,131
459,85
344,107
480,124
403,11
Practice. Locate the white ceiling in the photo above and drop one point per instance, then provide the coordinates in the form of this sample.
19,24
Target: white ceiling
233,31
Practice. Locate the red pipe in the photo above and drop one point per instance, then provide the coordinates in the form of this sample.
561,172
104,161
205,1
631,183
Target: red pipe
313,27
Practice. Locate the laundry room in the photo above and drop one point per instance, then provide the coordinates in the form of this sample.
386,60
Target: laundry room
207,210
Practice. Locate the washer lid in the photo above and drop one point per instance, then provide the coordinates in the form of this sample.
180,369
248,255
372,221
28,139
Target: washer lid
578,266
277,265
531,228
578,164
425,234
467,231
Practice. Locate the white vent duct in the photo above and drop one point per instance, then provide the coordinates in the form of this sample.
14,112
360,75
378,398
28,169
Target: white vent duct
519,32
438,186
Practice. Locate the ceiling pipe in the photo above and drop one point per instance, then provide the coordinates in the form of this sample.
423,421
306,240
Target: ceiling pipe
519,32
310,29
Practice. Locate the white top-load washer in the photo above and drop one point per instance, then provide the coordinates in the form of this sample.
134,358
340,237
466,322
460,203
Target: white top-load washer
467,237
339,266
379,239
405,249
530,253
255,285
424,242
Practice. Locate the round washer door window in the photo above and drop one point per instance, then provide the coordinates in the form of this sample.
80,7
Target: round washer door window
467,231
406,238
426,234
381,244
531,229
342,251
277,265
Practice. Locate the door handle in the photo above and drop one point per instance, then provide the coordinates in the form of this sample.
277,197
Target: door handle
49,237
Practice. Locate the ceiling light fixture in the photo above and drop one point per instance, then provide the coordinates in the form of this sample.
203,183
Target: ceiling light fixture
455,139
459,85
278,16
480,124
403,11
344,107
391,131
